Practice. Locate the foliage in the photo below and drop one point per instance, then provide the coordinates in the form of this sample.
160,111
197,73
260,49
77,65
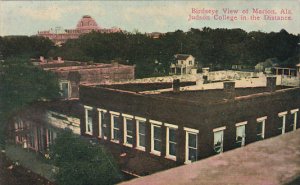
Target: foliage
22,84
81,162
216,48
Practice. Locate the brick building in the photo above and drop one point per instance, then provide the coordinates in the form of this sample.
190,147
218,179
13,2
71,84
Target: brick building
150,132
72,73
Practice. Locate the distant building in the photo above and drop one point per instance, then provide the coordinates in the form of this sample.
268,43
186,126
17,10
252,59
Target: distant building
271,62
184,64
85,25
72,73
155,35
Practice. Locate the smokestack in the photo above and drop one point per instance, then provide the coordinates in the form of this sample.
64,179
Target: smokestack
176,85
271,83
229,90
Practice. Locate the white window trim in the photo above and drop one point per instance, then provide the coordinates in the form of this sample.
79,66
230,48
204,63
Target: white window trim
112,115
219,129
283,116
244,138
241,123
295,112
153,124
187,132
87,108
138,120
69,86
125,118
100,122
168,126
262,120
191,130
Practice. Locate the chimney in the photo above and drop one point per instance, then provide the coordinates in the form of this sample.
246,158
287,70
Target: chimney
59,59
229,90
176,85
42,59
271,83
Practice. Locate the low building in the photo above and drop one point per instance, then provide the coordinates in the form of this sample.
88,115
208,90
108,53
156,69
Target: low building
72,73
150,131
184,64
37,126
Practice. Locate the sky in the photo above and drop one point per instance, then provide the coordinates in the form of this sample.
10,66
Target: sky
29,17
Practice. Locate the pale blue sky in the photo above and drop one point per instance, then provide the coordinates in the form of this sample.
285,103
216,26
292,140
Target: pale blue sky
27,17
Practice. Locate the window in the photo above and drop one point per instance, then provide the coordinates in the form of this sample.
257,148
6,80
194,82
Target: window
88,120
115,126
260,128
294,122
218,139
191,145
171,140
282,125
128,129
190,62
65,89
240,133
155,137
141,133
103,132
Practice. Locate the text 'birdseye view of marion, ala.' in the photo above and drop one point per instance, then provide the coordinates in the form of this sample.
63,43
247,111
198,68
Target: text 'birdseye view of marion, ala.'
149,92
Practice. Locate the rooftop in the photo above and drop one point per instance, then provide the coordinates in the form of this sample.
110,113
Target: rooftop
194,96
273,161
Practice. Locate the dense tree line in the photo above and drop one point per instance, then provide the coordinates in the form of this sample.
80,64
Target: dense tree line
216,48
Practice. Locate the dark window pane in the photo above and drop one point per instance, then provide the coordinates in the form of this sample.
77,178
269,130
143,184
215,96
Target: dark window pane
142,140
157,145
116,122
129,140
142,127
172,135
129,125
192,154
193,140
172,149
116,134
157,132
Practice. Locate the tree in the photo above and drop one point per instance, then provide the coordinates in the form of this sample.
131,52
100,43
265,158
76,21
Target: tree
80,162
21,84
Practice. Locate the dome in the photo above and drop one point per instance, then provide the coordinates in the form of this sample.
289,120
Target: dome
87,23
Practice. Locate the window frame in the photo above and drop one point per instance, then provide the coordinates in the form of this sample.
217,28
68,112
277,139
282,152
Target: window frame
157,124
69,88
261,120
112,116
216,130
100,124
87,109
125,118
138,121
283,116
189,131
168,127
241,124
294,112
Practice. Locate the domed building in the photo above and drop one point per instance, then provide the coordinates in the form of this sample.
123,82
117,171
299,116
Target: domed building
85,25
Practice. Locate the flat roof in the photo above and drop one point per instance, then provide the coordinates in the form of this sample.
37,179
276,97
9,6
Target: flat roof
272,161
196,96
